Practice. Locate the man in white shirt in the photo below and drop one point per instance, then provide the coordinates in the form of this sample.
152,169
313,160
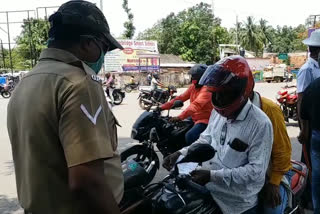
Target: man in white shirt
242,135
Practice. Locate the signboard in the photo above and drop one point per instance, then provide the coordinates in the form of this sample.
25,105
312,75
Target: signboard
137,55
283,56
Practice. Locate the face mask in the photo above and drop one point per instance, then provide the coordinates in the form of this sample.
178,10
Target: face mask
96,66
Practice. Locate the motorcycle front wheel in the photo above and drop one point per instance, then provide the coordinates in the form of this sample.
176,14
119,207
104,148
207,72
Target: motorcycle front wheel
145,157
143,105
6,94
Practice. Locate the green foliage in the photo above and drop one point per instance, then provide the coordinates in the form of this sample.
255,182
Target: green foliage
128,25
31,41
260,37
194,34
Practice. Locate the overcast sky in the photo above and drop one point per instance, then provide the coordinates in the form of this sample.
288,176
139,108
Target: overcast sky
147,12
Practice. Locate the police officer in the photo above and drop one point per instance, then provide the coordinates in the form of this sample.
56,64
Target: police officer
62,132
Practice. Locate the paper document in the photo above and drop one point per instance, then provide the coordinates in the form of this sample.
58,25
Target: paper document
186,168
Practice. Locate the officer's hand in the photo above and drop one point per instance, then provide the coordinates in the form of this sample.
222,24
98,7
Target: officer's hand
174,119
170,160
272,195
303,137
201,177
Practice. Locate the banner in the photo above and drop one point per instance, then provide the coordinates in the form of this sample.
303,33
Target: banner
137,55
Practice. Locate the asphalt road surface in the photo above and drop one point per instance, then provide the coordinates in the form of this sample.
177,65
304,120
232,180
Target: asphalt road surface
126,113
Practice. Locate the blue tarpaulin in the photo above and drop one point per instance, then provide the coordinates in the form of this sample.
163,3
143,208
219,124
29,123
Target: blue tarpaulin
3,80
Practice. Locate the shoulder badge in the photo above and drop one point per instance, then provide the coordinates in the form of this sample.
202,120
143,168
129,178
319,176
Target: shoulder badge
96,78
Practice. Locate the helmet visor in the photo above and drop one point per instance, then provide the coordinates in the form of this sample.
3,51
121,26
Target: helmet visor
216,77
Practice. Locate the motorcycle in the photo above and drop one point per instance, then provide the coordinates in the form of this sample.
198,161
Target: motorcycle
118,95
180,195
287,98
156,97
129,87
151,129
5,91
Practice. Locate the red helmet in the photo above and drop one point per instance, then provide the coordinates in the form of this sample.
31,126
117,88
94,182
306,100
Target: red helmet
233,74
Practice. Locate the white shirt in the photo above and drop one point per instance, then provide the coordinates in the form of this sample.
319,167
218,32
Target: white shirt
307,74
238,176
154,84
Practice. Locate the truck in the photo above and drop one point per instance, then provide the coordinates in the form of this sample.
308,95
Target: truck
277,73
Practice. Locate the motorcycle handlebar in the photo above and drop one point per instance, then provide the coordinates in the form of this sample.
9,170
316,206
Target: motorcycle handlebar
196,187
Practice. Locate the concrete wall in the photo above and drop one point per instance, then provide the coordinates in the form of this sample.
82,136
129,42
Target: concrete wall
168,76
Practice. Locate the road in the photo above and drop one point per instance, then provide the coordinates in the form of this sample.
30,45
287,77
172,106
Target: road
126,113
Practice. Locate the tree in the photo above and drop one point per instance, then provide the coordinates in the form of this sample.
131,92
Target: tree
32,40
129,27
194,34
251,38
265,31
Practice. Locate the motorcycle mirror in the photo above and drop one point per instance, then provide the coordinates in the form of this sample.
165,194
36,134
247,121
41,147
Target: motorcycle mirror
177,104
199,153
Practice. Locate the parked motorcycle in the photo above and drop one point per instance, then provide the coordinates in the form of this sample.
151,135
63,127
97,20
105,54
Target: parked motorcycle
151,129
130,87
287,98
156,97
5,91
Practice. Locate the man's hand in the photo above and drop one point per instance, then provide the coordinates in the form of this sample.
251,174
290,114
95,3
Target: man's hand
201,177
87,182
174,119
303,137
272,195
170,160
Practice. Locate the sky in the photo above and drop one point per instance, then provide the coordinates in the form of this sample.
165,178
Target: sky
147,12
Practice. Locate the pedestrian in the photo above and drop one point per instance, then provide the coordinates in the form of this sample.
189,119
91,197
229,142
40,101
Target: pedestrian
307,74
63,134
242,135
149,78
309,111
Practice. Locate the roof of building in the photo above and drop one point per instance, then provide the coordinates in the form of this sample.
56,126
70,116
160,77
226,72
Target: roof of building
258,64
170,58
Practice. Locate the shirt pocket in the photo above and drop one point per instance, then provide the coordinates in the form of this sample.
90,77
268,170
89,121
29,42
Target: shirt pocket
233,158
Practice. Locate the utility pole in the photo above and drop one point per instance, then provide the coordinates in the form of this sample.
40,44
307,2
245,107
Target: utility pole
101,5
212,6
8,30
237,32
3,57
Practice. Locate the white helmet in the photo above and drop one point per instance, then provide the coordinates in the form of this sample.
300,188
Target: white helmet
314,39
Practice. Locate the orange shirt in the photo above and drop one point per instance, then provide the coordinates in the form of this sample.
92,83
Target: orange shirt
200,107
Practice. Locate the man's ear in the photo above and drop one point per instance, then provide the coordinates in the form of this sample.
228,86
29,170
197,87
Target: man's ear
85,45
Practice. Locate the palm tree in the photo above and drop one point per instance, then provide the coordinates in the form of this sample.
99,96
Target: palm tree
265,32
251,38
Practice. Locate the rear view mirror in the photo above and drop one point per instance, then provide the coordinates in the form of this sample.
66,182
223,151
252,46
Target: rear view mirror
177,104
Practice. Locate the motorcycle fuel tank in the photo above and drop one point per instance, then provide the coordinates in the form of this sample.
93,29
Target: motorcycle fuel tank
142,126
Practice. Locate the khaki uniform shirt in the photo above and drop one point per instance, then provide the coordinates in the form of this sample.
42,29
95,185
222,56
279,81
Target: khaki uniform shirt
58,117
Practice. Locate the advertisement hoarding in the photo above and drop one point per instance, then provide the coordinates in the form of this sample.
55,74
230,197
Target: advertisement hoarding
137,55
